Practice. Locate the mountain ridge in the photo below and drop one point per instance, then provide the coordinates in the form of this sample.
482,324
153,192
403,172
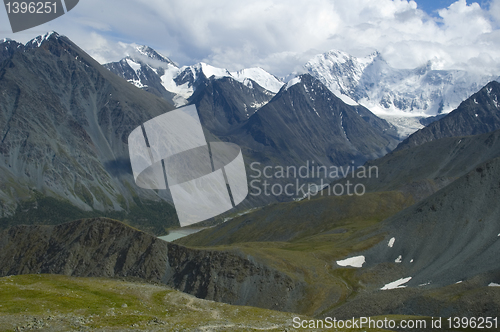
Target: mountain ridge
102,247
179,84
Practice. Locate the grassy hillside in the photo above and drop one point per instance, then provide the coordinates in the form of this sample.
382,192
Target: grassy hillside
60,303
294,221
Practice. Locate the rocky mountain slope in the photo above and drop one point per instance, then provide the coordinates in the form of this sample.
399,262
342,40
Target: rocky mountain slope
65,121
438,256
224,104
450,236
305,121
424,169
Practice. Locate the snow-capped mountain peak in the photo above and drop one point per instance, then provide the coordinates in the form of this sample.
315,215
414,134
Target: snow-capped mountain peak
339,71
292,82
181,82
260,76
39,40
401,96
256,74
152,54
211,71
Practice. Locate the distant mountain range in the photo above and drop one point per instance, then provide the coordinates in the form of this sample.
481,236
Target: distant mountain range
372,82
72,151
260,112
157,74
306,121
402,96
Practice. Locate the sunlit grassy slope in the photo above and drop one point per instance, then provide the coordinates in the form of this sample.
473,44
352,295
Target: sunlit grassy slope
296,221
60,303
305,239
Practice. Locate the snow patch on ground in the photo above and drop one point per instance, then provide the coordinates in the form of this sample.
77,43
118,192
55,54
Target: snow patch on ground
396,284
357,261
391,242
493,285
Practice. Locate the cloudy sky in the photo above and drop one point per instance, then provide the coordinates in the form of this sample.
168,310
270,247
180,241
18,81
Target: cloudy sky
281,35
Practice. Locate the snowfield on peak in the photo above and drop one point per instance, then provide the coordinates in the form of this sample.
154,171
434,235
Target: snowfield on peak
134,65
211,71
292,82
260,76
401,96
40,39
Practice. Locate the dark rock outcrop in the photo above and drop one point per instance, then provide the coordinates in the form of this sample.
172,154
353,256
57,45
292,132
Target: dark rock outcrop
108,248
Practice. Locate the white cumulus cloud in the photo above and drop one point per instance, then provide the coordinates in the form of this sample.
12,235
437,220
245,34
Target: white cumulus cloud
281,35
